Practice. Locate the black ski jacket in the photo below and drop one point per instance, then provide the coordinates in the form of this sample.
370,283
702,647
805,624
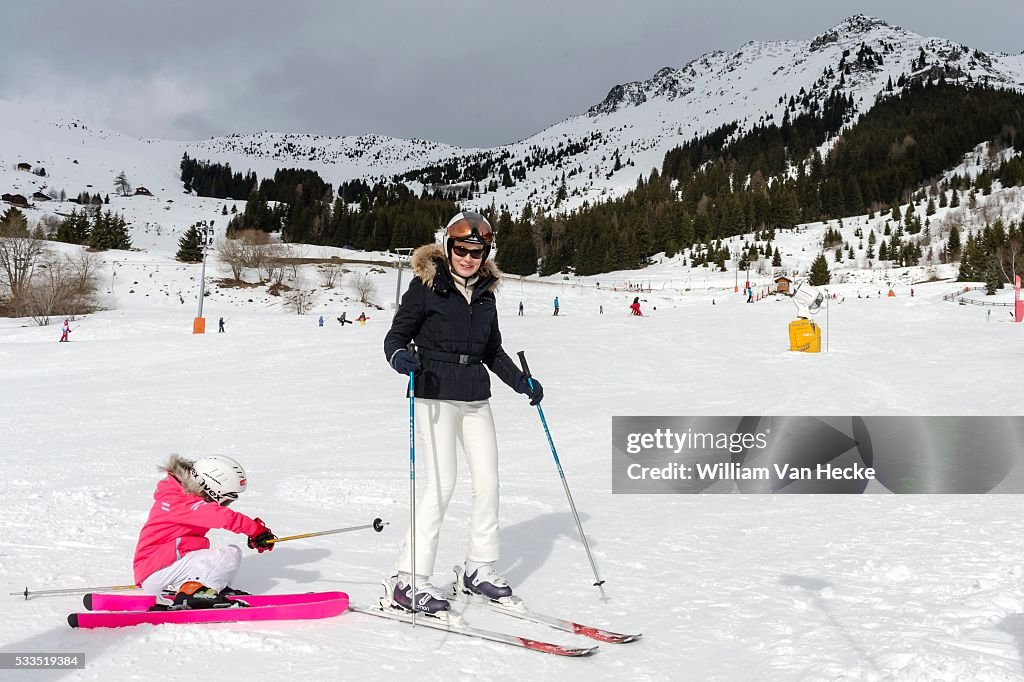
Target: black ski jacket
456,339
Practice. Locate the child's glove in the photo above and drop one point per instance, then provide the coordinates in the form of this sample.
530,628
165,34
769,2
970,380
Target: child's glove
259,540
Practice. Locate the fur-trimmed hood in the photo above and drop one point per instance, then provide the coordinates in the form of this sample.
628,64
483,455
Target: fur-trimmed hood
181,470
428,258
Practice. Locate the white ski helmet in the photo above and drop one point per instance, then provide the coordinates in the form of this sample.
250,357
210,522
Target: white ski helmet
222,478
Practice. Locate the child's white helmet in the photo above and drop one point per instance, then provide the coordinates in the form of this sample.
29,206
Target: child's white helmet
222,478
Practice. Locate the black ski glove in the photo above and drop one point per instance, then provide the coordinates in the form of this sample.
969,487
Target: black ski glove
536,393
259,541
404,362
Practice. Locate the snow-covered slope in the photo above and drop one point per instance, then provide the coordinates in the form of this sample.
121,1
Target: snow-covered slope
729,587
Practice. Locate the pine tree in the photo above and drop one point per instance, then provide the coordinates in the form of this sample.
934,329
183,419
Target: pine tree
122,185
74,229
819,274
14,223
953,245
777,259
109,231
190,246
993,280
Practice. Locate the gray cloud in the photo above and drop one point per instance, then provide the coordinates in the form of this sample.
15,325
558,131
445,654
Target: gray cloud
468,73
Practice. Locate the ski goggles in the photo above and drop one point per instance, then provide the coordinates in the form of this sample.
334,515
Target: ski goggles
462,252
227,498
470,226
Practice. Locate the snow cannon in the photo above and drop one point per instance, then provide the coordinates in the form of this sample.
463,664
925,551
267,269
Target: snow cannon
804,335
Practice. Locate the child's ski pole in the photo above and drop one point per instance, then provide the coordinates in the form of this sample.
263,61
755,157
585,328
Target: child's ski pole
377,525
74,590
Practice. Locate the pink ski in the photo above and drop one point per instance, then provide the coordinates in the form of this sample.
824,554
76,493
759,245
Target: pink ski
325,608
142,602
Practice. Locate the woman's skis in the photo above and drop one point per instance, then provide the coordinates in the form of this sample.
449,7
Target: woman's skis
383,609
515,607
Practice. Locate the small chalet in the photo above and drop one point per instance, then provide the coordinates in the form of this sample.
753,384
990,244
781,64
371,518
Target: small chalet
782,285
39,196
24,166
15,200
142,191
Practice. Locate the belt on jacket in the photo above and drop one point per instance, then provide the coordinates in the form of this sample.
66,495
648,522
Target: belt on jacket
456,358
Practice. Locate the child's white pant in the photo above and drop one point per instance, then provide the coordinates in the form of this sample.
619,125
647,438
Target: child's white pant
214,568
440,424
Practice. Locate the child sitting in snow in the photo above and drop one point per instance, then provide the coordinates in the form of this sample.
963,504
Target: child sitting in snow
173,554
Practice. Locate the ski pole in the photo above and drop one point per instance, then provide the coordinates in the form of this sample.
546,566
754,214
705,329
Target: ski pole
377,525
74,590
412,487
561,474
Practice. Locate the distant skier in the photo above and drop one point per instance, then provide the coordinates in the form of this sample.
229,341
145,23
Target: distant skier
362,318
520,309
321,320
634,309
220,326
65,331
173,553
343,320
556,305
600,310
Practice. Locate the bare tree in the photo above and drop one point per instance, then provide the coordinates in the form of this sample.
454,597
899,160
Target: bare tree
44,291
276,269
1007,256
62,285
84,271
20,254
331,274
49,224
232,253
301,300
256,250
122,185
366,288
294,253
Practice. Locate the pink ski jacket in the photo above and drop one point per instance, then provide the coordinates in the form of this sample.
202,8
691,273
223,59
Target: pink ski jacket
178,524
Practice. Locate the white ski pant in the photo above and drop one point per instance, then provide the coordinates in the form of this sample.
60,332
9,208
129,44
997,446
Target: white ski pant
440,424
214,568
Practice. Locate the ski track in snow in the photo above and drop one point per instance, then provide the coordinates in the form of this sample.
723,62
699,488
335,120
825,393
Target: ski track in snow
724,587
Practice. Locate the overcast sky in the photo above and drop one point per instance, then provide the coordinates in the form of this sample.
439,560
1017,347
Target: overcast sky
467,73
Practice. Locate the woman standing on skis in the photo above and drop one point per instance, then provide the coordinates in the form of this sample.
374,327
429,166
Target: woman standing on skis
450,312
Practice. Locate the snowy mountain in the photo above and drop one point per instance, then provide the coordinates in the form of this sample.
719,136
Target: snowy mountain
635,124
